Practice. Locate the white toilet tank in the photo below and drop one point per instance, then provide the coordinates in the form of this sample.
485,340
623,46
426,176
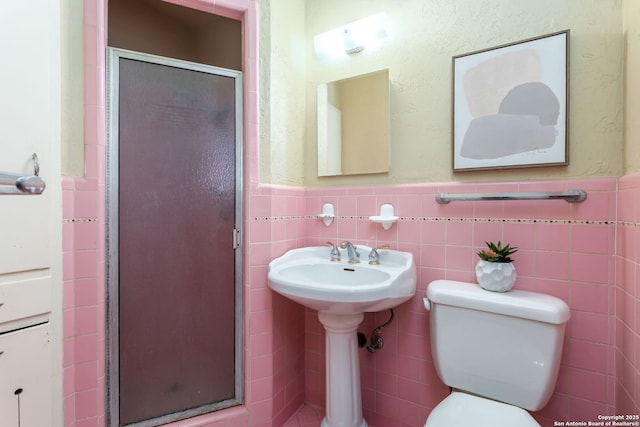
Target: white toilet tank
504,346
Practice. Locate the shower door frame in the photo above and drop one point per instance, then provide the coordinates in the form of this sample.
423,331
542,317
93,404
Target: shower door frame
111,237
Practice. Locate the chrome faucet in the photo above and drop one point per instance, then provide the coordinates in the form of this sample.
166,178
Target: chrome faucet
352,252
335,253
374,256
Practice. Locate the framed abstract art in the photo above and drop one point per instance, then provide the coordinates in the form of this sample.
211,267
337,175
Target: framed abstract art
510,105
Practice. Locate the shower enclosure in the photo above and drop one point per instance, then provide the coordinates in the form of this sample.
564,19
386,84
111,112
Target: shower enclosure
174,269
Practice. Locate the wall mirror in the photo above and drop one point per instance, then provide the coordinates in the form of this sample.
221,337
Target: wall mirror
353,125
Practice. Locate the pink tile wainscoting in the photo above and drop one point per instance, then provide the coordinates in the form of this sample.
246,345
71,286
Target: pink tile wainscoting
627,297
285,342
566,250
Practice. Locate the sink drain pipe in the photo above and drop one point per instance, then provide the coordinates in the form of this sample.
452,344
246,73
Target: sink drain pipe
376,340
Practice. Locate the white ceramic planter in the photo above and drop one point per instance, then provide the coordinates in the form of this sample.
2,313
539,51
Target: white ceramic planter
496,276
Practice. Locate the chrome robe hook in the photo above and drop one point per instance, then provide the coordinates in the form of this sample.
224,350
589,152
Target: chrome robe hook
13,183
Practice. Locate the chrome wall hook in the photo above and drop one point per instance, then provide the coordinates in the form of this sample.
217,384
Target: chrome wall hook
36,165
13,183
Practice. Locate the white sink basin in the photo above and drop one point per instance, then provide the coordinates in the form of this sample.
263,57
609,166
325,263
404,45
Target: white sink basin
309,277
342,292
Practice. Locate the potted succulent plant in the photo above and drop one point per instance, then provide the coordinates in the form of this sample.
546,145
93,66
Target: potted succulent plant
495,270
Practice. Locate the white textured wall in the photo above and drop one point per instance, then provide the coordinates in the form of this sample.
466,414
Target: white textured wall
72,69
286,104
632,88
425,34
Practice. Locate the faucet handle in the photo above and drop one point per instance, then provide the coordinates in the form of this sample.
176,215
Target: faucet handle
335,253
374,256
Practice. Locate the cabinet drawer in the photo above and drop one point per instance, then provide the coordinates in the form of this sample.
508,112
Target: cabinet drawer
25,372
24,299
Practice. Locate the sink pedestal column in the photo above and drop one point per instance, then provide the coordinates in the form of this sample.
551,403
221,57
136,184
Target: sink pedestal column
344,398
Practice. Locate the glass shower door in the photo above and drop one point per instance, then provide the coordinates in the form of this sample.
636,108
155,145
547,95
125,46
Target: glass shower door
177,302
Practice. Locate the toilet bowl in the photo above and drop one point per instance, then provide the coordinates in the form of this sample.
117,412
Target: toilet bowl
461,409
500,353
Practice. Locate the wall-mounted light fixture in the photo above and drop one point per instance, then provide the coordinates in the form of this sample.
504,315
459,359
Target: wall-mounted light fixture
351,38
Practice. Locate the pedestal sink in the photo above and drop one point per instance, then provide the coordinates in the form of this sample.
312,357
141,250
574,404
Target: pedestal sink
342,292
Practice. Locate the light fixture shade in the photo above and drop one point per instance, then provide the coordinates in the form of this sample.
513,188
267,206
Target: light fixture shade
352,42
351,38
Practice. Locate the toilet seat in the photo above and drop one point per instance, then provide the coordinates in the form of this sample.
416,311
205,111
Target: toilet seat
462,410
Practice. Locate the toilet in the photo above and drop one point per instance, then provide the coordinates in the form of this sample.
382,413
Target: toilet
499,352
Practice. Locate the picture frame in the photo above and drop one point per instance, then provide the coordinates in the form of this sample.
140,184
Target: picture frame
510,105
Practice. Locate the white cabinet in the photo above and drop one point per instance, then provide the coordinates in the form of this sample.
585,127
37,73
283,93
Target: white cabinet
25,353
24,303
25,372
31,225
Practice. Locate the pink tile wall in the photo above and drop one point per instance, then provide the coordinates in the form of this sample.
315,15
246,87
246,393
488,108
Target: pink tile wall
83,305
565,250
627,298
276,324
83,251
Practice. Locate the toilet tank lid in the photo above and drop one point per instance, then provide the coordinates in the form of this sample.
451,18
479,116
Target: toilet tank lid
517,303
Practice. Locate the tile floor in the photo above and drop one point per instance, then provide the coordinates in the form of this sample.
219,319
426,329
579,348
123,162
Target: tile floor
306,416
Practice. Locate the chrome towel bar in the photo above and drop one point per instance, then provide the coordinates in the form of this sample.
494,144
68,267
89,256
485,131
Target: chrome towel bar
571,196
13,183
